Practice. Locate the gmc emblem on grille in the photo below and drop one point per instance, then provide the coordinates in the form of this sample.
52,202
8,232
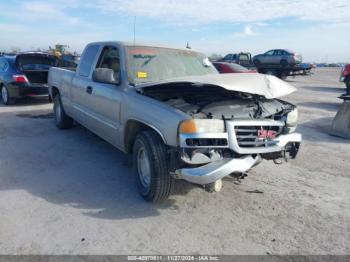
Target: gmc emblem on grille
266,134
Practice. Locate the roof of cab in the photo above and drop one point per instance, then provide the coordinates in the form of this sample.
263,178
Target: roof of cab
130,44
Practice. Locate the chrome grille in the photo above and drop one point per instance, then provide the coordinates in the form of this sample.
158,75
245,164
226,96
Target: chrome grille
248,136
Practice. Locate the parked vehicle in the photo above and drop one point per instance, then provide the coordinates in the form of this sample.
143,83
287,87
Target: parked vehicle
280,70
282,57
243,59
225,68
24,75
175,113
345,76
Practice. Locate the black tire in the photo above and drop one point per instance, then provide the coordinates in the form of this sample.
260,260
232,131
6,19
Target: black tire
347,82
61,119
50,99
159,184
284,63
283,75
5,96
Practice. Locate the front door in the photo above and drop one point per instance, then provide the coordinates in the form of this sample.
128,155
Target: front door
104,100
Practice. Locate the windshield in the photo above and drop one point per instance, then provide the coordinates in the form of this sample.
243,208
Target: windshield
151,64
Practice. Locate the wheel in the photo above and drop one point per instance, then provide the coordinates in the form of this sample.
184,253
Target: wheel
284,63
62,120
256,62
50,99
347,83
283,75
151,164
5,96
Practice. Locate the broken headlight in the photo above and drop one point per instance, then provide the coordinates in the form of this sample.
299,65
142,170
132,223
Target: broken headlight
292,120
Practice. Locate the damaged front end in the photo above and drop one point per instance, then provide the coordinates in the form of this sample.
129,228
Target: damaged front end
227,131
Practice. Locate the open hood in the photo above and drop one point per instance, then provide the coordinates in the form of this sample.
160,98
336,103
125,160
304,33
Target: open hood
259,84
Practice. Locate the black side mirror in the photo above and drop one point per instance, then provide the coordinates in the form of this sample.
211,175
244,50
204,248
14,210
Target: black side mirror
105,75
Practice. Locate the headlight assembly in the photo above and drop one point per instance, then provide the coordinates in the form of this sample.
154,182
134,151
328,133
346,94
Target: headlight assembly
193,126
292,121
292,118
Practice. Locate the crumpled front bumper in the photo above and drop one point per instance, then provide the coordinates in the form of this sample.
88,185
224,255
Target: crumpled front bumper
214,171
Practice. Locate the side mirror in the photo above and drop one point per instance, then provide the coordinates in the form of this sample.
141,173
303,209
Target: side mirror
105,75
206,62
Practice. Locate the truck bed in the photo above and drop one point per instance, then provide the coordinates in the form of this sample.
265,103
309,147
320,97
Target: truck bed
60,77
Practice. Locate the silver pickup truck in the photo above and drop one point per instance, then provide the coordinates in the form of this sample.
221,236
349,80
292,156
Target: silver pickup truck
176,114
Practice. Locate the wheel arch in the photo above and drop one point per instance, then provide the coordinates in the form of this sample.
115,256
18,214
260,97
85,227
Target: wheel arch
132,128
54,91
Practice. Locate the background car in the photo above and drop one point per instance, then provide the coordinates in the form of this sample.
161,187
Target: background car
345,76
243,59
24,75
225,68
282,57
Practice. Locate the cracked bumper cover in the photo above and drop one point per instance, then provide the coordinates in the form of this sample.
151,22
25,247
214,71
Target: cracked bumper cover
214,171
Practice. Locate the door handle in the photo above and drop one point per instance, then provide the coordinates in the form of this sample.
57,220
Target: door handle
89,90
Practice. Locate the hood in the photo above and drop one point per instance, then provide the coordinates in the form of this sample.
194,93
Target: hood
259,84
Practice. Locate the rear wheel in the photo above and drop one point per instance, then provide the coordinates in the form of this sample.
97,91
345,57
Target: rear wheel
151,164
5,96
62,120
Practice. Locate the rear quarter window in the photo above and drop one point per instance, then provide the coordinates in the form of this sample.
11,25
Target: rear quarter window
87,60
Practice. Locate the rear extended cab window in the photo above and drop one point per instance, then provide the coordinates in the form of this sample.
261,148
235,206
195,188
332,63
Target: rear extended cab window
88,59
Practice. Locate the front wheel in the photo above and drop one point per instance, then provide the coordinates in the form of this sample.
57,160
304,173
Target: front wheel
62,120
151,164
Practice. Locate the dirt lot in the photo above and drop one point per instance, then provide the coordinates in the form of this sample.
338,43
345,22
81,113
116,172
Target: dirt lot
69,192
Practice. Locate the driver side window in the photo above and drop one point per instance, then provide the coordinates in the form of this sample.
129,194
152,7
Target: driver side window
109,59
269,52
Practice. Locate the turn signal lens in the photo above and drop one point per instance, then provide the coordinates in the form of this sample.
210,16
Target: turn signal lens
188,127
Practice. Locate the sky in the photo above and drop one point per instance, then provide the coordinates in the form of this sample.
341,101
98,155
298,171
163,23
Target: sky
318,29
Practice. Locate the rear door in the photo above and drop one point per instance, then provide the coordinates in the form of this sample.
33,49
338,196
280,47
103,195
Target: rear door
2,70
277,56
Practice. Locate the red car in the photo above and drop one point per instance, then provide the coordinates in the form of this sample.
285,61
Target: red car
225,68
345,76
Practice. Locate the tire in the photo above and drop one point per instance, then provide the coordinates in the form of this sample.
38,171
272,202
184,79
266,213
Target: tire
5,96
151,165
347,82
284,63
61,119
50,99
283,75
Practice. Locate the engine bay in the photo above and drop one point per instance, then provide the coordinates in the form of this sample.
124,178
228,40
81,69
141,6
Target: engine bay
214,102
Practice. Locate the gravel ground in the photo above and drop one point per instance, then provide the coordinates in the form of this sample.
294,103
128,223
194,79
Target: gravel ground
69,192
